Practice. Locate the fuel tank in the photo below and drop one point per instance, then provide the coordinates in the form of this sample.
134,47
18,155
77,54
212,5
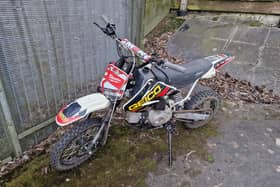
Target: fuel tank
148,90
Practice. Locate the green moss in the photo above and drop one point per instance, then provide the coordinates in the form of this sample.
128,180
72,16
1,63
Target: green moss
31,174
175,3
193,7
125,160
210,158
195,139
255,23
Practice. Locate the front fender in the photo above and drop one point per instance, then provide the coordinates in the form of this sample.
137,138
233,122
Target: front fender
80,108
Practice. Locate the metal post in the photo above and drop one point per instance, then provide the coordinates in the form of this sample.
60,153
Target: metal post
183,8
137,25
9,121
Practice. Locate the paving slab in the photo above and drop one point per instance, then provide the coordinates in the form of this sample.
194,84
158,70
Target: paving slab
248,156
245,153
257,48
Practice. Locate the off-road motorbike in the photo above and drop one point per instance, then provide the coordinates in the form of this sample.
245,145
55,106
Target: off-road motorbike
150,93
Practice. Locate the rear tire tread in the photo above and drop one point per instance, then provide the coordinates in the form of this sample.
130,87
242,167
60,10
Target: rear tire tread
198,98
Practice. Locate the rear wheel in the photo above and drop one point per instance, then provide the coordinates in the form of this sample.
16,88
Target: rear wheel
71,150
207,102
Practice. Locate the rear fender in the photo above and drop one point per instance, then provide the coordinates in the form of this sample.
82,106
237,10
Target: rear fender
218,61
81,108
222,59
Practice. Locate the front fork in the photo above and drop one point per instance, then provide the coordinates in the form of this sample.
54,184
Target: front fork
106,121
104,129
102,132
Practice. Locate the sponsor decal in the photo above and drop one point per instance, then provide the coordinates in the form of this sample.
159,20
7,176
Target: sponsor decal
62,120
145,57
150,96
226,61
114,81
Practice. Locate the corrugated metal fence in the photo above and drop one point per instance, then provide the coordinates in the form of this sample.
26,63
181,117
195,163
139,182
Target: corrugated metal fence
50,54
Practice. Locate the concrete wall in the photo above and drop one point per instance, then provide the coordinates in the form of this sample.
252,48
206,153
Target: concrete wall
155,11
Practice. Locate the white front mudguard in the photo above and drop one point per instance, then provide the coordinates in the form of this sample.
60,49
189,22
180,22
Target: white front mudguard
81,107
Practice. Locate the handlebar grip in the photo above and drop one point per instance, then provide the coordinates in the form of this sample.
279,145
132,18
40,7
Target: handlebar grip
174,66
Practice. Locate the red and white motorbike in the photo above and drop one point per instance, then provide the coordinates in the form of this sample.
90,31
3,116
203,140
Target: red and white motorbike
154,99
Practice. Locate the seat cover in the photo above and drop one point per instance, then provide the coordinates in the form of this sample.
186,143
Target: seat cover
192,71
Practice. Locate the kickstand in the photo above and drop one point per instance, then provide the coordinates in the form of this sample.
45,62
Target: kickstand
170,130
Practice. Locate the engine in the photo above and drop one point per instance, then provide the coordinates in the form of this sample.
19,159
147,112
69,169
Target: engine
153,117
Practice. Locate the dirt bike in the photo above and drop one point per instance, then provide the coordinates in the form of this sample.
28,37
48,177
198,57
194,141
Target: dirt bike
152,95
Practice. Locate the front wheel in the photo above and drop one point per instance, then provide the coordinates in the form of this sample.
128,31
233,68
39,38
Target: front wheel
71,150
205,100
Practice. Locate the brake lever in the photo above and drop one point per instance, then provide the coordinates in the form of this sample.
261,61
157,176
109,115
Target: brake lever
101,28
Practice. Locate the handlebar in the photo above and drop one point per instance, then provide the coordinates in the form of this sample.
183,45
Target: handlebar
109,30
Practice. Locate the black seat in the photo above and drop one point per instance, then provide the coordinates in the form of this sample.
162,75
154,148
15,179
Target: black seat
190,72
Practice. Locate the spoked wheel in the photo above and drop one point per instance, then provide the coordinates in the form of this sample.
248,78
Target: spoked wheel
203,103
72,149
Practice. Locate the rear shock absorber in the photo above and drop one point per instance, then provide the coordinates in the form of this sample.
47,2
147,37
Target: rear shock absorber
178,97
